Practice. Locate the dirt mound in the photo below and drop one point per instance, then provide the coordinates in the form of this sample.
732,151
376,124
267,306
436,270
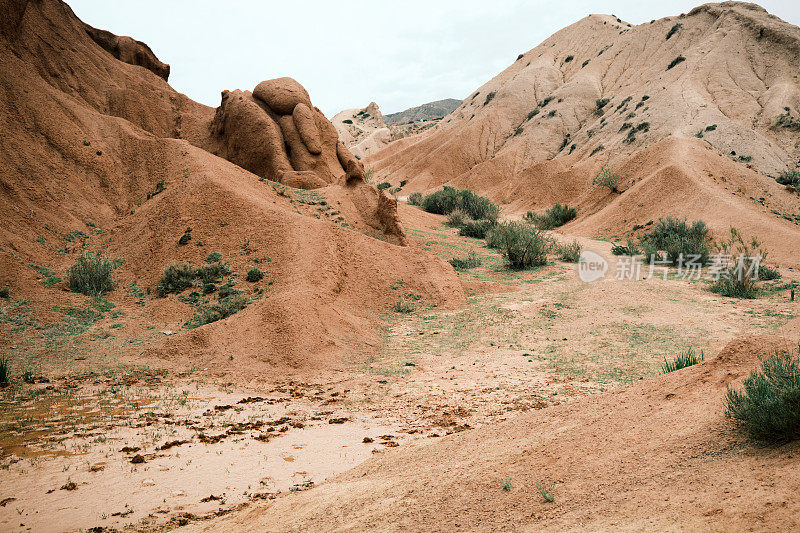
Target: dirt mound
102,155
603,459
600,92
362,130
129,51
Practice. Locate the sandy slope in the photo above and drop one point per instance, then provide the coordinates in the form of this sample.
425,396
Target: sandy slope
654,456
534,135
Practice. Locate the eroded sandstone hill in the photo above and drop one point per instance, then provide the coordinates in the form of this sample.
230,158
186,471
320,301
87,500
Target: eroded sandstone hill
99,153
700,110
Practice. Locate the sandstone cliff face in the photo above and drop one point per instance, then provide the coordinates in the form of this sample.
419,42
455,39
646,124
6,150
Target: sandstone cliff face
129,50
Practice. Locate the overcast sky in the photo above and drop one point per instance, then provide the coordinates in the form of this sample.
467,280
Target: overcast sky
350,52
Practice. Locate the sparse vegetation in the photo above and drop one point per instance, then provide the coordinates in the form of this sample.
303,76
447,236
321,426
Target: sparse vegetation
609,179
449,199
384,185
465,263
254,275
177,278
404,305
739,279
347,121
569,252
678,60
489,97
160,187
674,240
545,492
415,198
223,308
523,245
673,29
553,217
600,104
596,149
457,218
682,360
214,257
767,406
475,228
789,177
91,275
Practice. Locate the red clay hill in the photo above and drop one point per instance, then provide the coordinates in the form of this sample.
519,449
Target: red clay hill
100,154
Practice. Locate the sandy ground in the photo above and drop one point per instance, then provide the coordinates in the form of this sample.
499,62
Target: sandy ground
106,441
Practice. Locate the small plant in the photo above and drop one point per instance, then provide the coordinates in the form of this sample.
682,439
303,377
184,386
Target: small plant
768,273
609,179
223,308
672,30
682,360
740,278
457,218
177,278
677,61
767,405
449,199
160,187
465,263
546,493
212,272
678,240
5,373
254,275
214,257
600,103
489,97
415,198
347,121
5,293
533,113
569,252
568,59
596,149
404,305
384,185
91,275
789,177
555,216
28,377
505,484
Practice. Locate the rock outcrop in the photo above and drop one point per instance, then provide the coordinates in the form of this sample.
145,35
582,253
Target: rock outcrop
129,50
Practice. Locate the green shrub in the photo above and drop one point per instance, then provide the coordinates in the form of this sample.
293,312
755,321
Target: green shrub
523,245
457,218
384,185
768,273
789,177
218,310
682,360
91,275
254,275
673,29
465,263
489,97
228,290
404,305
569,252
214,257
619,249
609,179
449,199
678,60
415,198
212,273
5,293
768,406
177,278
476,229
676,237
739,279
5,372
347,121
554,217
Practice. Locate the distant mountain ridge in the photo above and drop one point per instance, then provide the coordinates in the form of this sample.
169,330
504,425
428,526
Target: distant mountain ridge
431,110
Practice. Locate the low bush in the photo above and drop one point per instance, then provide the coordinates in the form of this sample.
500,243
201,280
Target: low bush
569,252
739,279
609,179
415,198
384,185
476,229
678,60
177,278
789,177
404,305
223,308
465,263
214,257
768,273
457,218
523,245
212,273
554,217
449,199
254,275
676,239
682,360
768,405
91,275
